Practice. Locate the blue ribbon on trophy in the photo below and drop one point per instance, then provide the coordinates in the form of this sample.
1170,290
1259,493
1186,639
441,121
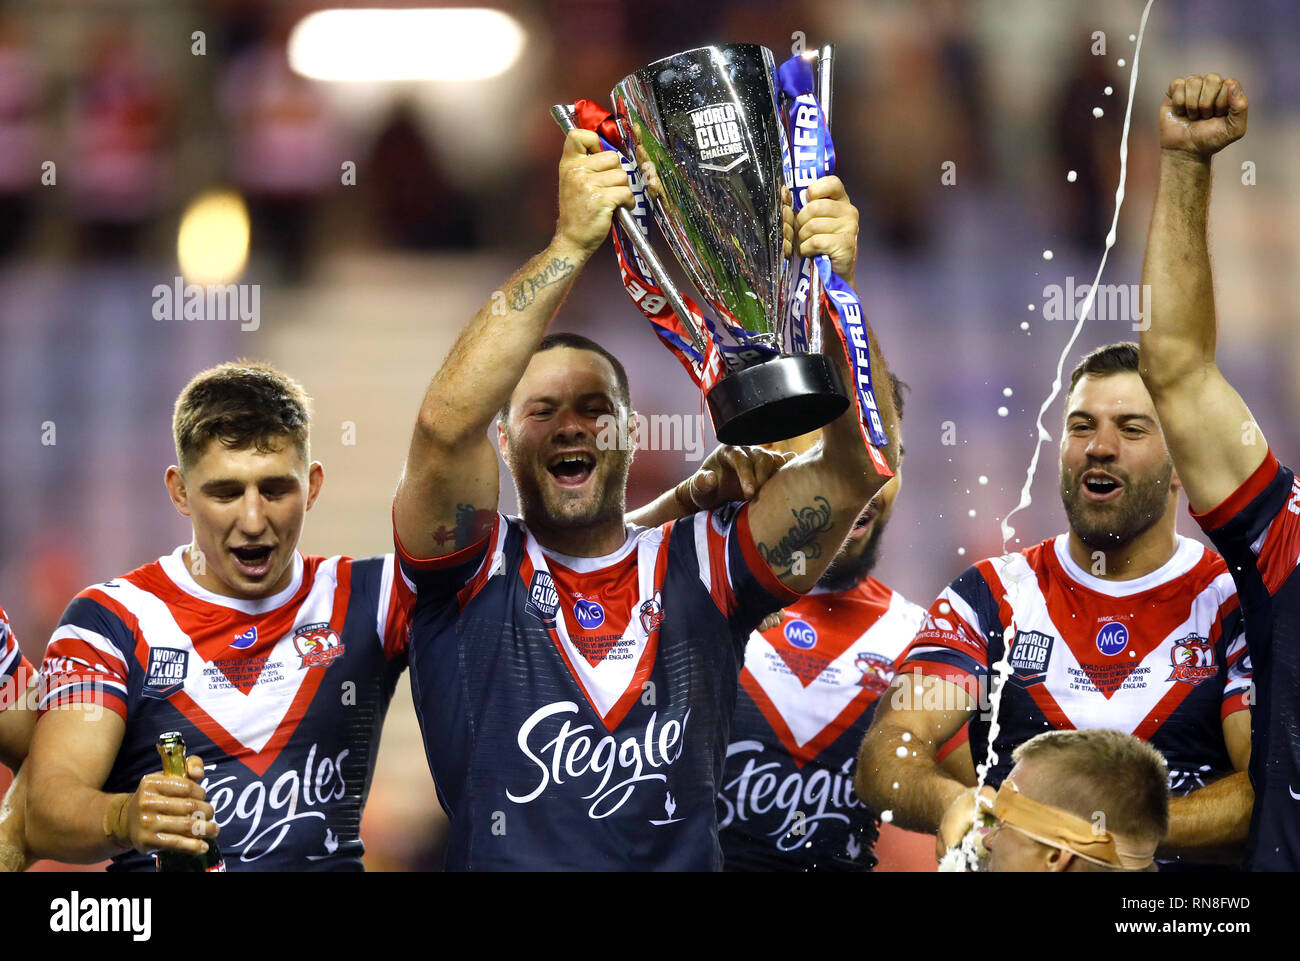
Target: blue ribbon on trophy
707,149
812,156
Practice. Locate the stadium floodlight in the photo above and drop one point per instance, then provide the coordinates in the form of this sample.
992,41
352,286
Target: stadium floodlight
366,46
212,244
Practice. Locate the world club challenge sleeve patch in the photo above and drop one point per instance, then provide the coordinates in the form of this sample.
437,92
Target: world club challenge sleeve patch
543,599
166,671
1029,656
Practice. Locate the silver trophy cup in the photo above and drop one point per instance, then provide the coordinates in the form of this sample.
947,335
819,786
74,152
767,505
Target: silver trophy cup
705,130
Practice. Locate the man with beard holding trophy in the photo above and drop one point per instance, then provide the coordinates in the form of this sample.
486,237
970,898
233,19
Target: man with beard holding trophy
575,676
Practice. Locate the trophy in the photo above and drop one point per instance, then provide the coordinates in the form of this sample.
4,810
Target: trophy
704,133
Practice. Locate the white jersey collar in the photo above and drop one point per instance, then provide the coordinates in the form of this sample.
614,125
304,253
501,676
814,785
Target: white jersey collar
585,565
1185,557
173,565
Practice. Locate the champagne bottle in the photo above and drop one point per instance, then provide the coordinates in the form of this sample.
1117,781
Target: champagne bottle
171,746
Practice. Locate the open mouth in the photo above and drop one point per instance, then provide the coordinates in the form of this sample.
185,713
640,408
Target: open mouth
1099,486
572,469
253,560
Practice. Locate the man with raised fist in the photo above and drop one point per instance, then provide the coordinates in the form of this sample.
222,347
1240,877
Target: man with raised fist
1247,503
1117,623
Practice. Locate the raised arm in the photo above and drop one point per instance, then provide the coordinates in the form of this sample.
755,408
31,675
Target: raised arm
1212,437
801,517
448,493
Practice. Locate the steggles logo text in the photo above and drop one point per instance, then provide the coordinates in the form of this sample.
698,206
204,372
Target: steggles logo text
571,754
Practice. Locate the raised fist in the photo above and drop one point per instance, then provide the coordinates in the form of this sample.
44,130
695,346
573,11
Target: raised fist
1202,115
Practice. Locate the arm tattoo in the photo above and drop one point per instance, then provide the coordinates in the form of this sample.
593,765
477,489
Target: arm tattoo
472,525
809,523
524,293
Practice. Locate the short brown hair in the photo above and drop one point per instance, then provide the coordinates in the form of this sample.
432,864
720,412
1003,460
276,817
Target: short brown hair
1108,772
242,404
579,342
1112,359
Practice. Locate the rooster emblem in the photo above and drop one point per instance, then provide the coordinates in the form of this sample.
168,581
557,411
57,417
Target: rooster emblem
670,806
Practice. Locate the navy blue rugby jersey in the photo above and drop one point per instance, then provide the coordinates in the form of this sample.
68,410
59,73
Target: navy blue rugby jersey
808,692
1161,657
575,711
1257,530
283,698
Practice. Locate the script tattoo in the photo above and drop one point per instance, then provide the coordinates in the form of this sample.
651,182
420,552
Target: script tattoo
525,292
471,526
809,522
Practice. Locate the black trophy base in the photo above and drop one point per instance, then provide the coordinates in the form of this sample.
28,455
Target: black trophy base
776,400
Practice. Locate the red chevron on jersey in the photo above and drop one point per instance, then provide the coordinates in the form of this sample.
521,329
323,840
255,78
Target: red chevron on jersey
587,607
194,653
1109,647
214,685
1087,652
830,658
220,635
283,697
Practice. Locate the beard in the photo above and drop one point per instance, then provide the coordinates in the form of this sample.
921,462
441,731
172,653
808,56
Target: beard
545,505
1111,526
847,570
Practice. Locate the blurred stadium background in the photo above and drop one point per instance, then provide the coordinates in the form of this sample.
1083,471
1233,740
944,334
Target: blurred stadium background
363,284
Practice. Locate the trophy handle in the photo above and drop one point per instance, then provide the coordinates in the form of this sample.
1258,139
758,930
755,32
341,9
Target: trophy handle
563,114
825,62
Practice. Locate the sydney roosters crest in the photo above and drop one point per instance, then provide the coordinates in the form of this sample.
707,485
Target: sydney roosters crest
317,644
877,671
1193,660
651,613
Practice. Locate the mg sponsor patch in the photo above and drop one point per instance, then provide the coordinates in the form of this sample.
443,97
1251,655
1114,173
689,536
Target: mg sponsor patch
589,614
801,634
1112,638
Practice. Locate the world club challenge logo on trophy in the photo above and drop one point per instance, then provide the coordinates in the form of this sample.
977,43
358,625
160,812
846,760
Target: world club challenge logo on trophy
709,138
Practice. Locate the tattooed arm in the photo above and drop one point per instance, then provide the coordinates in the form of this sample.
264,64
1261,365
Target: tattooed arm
447,496
801,517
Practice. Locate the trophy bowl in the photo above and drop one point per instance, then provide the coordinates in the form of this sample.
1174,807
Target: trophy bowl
705,130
